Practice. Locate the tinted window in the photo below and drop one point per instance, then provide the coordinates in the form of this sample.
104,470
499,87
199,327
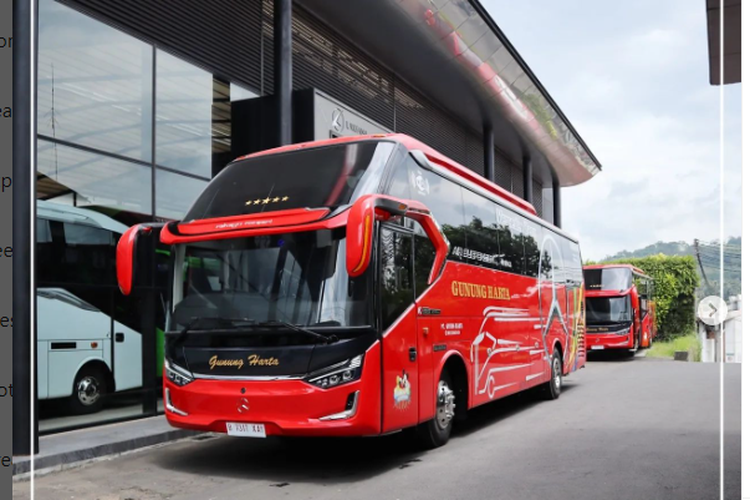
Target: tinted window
609,278
603,310
549,255
424,257
399,182
572,257
396,287
75,253
296,277
511,231
444,200
532,249
481,232
320,177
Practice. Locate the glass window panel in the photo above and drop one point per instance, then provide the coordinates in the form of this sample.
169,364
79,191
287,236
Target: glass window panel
175,194
511,230
89,179
237,93
94,83
443,198
481,232
92,322
193,116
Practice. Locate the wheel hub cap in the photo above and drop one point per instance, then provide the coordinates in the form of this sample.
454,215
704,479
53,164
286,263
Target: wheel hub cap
446,405
557,375
88,391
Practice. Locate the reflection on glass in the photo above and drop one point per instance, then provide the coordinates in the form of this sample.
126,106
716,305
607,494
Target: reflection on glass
184,97
94,83
89,340
237,93
175,194
193,116
608,310
79,178
608,278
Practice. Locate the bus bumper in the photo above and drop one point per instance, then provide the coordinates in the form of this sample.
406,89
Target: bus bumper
608,341
284,407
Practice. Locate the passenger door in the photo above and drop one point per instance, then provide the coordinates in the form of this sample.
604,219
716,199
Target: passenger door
398,324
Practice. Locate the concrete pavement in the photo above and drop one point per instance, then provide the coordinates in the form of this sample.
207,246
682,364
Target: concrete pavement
622,429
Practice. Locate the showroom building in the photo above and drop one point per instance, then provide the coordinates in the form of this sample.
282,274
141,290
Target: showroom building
140,103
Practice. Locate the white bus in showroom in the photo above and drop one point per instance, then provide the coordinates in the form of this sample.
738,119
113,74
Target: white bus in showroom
83,353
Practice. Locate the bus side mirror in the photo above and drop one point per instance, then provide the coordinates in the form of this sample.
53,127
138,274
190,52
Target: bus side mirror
360,227
126,255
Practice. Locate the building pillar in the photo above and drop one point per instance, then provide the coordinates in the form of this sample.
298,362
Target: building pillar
24,334
282,68
557,214
489,153
528,176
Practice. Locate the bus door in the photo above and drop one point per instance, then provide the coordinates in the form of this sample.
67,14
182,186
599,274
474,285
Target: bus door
398,321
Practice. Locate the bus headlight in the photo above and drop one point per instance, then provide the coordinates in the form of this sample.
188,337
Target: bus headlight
176,374
340,373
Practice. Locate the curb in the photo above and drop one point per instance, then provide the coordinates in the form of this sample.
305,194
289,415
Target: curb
23,464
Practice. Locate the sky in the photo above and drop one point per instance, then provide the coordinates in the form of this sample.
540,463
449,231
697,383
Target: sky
632,78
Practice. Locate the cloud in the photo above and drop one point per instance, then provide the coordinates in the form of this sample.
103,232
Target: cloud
635,85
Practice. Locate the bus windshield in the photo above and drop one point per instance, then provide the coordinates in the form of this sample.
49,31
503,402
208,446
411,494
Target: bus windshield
608,278
604,310
327,176
298,278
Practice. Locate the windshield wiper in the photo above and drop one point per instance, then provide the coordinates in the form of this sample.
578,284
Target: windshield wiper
325,338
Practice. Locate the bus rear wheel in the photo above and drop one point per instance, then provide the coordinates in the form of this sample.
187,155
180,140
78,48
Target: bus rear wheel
436,431
89,390
552,389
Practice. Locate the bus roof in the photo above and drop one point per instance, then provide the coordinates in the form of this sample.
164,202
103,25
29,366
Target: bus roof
612,266
412,144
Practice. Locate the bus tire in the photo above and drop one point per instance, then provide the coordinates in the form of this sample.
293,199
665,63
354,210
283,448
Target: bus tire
552,389
89,390
436,431
636,346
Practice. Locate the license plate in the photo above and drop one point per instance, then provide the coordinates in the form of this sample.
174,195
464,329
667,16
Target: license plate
597,347
246,430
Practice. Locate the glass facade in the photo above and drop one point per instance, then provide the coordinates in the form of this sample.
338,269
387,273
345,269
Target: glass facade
127,133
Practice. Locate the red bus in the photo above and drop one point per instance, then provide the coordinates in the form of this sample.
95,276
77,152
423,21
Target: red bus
360,286
620,307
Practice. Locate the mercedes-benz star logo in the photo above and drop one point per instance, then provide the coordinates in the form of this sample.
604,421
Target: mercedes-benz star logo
337,123
243,405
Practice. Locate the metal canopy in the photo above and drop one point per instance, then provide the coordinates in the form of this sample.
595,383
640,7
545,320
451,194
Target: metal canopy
452,51
732,40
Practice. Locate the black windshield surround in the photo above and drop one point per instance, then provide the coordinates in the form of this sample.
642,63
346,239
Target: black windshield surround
326,176
608,278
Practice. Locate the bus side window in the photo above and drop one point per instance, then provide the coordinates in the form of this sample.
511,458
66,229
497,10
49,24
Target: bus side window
398,185
444,200
424,256
396,284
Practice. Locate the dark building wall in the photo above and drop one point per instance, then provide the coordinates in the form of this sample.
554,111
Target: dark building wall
234,39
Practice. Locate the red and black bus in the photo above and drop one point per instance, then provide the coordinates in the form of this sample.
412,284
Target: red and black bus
360,286
620,307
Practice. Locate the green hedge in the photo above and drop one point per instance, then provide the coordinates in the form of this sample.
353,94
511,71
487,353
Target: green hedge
675,280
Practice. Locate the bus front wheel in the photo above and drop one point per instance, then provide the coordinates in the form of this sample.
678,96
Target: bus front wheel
89,389
436,431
